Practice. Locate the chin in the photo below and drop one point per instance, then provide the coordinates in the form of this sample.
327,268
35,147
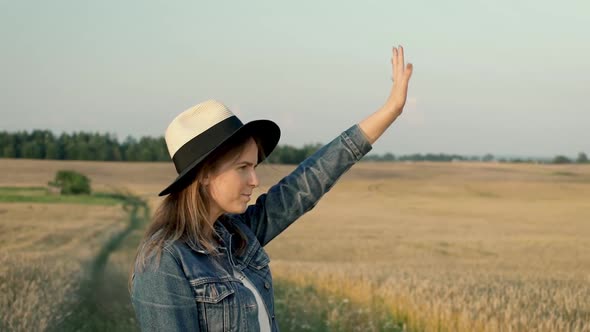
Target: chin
239,210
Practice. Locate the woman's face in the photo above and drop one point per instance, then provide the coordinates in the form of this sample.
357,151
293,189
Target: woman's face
231,183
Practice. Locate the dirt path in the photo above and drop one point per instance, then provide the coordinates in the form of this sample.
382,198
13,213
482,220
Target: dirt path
102,301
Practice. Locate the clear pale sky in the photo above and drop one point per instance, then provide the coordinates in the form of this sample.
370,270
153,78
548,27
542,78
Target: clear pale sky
501,77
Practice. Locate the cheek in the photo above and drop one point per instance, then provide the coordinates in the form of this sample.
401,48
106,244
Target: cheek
225,188
217,190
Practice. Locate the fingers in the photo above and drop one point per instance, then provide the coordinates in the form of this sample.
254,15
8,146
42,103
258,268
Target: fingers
400,62
397,61
394,64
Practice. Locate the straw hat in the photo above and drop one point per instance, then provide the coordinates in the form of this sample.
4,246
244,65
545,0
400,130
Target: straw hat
195,133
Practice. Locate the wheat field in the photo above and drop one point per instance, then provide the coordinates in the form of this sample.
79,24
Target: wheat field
43,252
442,246
452,247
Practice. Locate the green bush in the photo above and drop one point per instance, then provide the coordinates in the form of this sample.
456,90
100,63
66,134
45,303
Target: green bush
71,183
561,160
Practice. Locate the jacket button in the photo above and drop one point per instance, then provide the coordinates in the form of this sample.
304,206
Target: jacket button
267,285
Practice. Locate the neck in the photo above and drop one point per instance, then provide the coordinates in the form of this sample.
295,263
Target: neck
214,215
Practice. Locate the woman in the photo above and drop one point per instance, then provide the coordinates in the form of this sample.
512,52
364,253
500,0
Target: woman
201,265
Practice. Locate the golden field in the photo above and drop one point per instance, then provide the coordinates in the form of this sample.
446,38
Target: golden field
43,252
444,246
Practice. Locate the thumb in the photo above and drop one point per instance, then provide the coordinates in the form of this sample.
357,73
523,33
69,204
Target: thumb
408,71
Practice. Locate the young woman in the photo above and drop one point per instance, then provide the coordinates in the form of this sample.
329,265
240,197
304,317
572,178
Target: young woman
201,265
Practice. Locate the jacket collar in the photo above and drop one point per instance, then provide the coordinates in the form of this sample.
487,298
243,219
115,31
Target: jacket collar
223,233
226,238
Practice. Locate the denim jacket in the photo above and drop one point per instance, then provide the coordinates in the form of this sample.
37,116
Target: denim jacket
191,291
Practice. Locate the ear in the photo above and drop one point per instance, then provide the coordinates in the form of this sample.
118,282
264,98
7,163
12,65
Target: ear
205,181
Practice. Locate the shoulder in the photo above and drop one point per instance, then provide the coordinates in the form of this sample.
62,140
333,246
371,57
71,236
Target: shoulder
161,271
165,259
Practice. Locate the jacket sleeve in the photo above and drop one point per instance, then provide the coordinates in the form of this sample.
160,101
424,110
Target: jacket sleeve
300,191
163,299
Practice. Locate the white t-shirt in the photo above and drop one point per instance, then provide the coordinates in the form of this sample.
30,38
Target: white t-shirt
263,319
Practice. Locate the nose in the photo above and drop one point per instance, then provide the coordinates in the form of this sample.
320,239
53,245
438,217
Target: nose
253,181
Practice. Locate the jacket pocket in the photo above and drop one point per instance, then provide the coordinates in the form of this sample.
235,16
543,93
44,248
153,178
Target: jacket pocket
216,304
212,292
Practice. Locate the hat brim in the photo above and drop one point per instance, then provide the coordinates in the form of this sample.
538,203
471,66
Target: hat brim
267,132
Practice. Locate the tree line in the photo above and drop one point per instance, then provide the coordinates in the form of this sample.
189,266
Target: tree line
559,159
43,144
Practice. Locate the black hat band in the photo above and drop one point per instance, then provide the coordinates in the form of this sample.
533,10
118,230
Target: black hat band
203,143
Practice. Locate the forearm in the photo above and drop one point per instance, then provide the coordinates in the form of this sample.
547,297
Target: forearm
375,124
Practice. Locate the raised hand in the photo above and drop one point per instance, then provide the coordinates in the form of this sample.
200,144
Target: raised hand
375,124
401,74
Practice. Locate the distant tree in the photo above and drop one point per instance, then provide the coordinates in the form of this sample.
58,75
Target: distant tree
561,160
71,182
7,142
309,149
389,156
31,150
488,157
287,154
371,157
582,158
51,151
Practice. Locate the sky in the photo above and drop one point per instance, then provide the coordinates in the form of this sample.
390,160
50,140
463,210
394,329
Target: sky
509,78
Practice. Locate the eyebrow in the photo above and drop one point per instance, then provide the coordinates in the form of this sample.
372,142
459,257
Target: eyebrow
247,163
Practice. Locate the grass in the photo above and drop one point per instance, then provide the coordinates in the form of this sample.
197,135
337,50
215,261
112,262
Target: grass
305,307
41,195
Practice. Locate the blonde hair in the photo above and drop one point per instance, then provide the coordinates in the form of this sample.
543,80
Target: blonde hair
184,215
